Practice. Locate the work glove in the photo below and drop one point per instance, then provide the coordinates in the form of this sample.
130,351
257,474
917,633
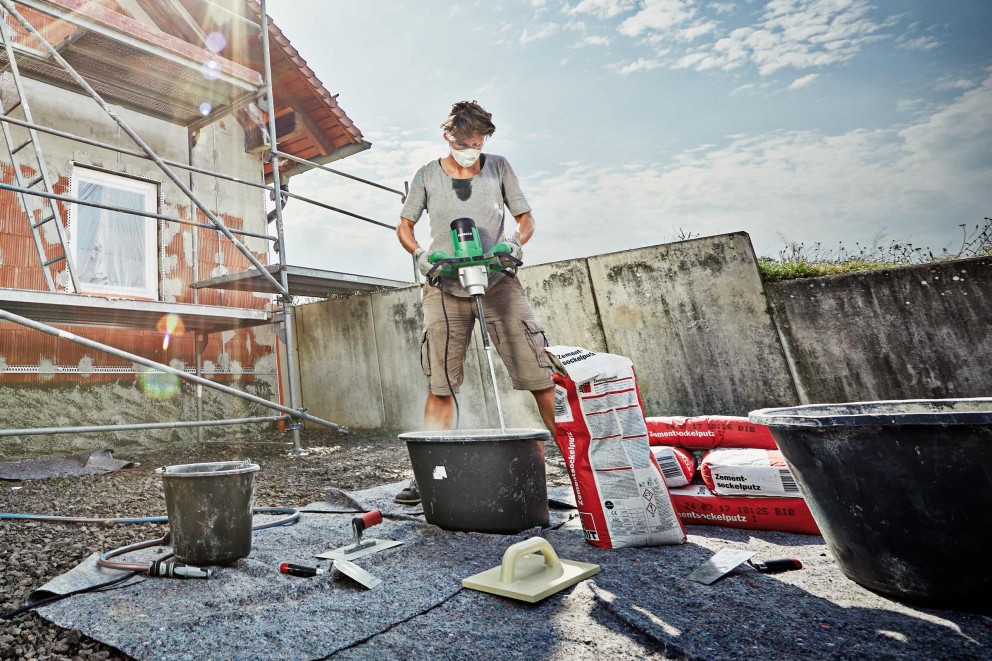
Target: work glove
423,264
516,250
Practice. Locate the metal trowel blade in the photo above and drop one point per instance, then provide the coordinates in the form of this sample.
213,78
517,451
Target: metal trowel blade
721,564
371,546
356,573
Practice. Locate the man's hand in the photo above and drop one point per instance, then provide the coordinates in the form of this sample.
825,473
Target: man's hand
516,250
423,264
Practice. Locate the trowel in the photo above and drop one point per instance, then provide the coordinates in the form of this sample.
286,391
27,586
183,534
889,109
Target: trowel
530,571
721,564
361,548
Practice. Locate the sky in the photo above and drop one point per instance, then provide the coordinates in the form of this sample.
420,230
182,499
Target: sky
636,122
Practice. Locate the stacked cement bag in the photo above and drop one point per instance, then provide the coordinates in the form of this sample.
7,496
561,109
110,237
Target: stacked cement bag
740,479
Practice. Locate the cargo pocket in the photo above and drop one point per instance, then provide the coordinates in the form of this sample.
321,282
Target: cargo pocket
425,354
537,340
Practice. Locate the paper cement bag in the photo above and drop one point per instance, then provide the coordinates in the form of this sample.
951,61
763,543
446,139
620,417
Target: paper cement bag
599,418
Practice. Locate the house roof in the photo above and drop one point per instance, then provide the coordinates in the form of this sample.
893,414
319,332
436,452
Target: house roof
166,71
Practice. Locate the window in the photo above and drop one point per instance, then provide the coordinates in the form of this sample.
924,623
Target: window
114,252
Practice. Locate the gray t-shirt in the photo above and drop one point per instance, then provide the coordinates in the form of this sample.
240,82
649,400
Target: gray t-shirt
481,198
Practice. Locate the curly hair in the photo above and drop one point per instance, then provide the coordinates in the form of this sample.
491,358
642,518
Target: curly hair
468,118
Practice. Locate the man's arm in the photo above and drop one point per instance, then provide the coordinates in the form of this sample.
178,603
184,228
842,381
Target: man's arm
404,231
525,227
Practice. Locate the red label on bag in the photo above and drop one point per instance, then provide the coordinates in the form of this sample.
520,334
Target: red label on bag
708,432
697,506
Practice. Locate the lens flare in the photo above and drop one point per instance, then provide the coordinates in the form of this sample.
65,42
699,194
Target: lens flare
205,108
169,325
158,385
210,70
215,42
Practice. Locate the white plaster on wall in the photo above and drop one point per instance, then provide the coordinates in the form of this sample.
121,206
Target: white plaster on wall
85,366
46,369
3,364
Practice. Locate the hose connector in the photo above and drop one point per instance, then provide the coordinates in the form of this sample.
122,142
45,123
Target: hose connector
173,569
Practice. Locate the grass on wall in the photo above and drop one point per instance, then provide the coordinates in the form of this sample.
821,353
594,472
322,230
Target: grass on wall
798,260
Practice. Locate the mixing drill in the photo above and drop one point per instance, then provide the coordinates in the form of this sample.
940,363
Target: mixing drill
473,266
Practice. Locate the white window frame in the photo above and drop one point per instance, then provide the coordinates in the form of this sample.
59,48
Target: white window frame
150,191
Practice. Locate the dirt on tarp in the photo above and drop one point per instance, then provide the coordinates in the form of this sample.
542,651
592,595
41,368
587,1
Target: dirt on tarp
640,606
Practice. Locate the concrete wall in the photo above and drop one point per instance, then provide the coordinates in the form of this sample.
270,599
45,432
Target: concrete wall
694,318
691,315
910,333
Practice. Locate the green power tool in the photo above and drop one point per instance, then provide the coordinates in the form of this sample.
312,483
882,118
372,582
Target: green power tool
473,266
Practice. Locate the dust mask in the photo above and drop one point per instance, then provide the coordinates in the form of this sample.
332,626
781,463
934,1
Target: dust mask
465,157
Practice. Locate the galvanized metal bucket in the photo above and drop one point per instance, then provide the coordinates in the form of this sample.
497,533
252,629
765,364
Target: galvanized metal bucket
210,510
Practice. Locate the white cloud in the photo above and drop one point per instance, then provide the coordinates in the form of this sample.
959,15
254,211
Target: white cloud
603,8
954,84
540,32
921,43
788,34
592,40
803,81
641,64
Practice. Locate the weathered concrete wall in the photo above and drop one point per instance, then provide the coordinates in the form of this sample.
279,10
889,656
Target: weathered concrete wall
338,354
693,317
917,332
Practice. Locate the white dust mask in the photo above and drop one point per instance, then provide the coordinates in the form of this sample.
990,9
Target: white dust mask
465,157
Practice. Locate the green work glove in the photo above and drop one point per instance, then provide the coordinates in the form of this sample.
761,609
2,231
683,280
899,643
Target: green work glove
423,264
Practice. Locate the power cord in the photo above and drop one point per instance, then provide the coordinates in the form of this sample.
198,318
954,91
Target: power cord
447,337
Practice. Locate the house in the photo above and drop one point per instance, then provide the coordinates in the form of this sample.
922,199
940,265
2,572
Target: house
188,77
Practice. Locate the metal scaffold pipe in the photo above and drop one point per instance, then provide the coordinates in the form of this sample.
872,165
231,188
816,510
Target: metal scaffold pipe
135,212
139,426
54,53
99,346
287,312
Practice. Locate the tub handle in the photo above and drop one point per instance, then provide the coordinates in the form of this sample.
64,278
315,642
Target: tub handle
508,568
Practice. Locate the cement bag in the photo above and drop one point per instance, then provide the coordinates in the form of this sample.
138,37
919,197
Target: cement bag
619,488
708,432
697,506
729,472
677,465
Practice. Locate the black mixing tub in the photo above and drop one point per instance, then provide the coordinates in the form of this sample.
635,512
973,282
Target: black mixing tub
900,491
481,480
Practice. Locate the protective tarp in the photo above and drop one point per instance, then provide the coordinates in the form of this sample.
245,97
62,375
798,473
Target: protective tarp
87,463
111,247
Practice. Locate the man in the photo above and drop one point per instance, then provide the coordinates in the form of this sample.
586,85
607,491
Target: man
469,184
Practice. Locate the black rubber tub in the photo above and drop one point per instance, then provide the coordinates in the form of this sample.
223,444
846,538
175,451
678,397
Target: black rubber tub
901,492
481,480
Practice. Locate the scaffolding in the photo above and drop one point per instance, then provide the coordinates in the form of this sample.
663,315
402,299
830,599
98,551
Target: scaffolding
32,309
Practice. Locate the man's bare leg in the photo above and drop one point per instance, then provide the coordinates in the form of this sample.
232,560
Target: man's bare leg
546,405
439,412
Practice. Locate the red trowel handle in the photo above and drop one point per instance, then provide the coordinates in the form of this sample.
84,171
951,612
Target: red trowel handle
366,520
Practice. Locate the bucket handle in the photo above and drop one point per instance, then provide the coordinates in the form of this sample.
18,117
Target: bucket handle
508,568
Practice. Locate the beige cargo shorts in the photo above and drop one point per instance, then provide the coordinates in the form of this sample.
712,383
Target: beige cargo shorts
514,332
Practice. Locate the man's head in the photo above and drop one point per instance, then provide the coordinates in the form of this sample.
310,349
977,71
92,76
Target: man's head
468,118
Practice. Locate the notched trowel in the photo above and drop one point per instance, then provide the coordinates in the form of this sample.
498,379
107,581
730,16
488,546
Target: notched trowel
721,564
530,571
360,547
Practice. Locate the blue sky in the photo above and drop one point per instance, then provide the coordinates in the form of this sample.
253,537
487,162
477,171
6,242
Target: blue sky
630,121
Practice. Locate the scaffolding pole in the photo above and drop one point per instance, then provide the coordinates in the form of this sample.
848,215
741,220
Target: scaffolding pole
114,351
287,301
95,429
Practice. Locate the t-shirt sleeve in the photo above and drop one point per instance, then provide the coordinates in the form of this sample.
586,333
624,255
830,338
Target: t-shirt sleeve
514,198
416,200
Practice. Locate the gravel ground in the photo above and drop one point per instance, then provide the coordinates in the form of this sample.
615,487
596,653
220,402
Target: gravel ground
33,553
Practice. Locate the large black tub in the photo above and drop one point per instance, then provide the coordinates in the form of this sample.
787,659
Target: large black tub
481,480
901,490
